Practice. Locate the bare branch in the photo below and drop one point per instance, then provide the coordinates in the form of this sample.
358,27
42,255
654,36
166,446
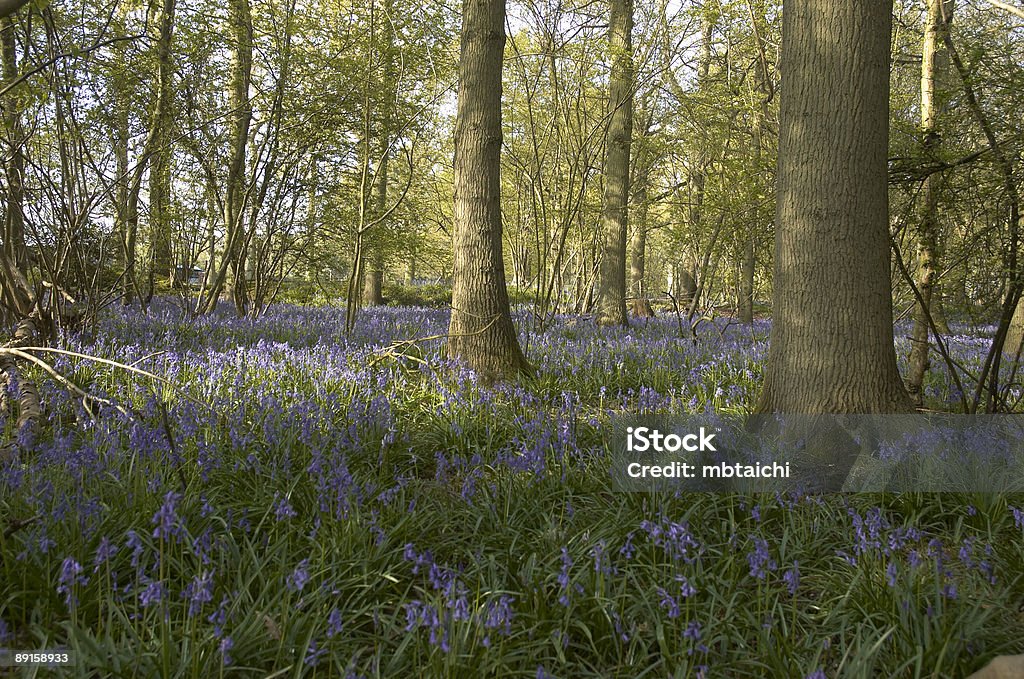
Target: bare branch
1008,7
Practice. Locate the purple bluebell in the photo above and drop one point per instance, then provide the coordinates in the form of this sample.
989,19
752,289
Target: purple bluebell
166,518
792,578
298,578
334,623
104,551
199,592
70,576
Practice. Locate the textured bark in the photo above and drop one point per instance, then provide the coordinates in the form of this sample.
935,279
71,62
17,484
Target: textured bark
16,296
611,287
481,326
27,333
641,306
160,171
230,272
14,168
831,347
685,285
241,117
934,62
748,263
373,284
374,279
122,224
745,291
1014,344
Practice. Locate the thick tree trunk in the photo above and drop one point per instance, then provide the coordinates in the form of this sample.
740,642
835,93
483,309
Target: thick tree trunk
934,61
611,290
684,285
373,285
481,326
831,347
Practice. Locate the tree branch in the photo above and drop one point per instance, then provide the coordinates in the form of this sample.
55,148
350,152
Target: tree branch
1009,8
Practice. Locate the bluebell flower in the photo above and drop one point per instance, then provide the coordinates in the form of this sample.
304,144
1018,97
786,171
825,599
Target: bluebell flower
219,618
760,560
792,578
283,509
166,518
199,592
668,602
104,552
1018,517
152,594
298,577
686,590
70,575
226,644
313,655
694,632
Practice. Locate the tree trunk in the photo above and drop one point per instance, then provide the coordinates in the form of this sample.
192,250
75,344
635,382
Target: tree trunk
481,326
611,292
641,306
748,263
239,119
14,169
374,278
231,270
122,182
831,348
16,295
160,170
934,60
685,285
1015,335
745,292
373,285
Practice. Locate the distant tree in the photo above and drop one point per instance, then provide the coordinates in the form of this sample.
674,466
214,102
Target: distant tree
231,271
831,347
611,290
14,167
934,63
481,326
161,261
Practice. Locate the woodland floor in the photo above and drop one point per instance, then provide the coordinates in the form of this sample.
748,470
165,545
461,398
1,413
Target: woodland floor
290,500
